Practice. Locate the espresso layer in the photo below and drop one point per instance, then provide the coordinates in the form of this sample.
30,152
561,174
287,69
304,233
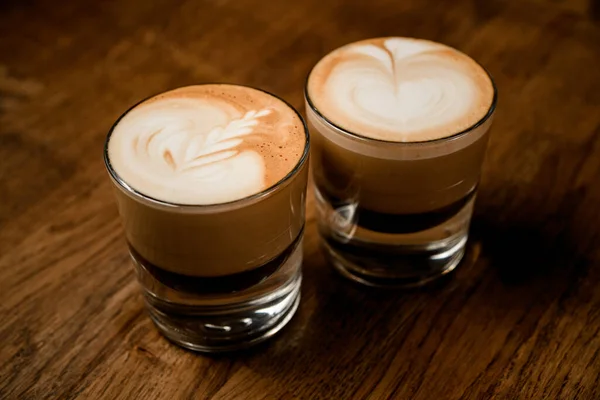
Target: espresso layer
212,285
402,223
206,144
400,89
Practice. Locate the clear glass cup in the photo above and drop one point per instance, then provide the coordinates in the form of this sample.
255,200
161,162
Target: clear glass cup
255,245
394,214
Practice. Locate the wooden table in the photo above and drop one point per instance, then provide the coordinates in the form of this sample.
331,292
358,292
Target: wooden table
521,317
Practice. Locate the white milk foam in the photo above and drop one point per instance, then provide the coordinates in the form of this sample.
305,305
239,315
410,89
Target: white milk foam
190,145
400,89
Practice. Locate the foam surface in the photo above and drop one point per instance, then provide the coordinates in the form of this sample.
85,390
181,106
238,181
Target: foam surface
400,89
206,144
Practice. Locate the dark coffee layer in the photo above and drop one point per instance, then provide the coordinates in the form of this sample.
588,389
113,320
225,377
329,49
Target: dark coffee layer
402,223
212,285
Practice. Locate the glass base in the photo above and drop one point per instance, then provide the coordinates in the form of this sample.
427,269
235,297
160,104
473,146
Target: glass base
396,267
214,322
388,258
238,326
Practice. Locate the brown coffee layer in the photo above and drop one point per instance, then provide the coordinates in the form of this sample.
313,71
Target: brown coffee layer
216,285
228,240
383,187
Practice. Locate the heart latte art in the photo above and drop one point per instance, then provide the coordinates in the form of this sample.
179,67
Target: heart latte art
400,89
206,144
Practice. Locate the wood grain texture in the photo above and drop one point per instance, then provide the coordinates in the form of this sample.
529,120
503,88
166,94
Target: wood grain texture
519,320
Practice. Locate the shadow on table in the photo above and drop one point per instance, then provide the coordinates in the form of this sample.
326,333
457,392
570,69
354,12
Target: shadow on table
340,322
537,244
515,266
519,252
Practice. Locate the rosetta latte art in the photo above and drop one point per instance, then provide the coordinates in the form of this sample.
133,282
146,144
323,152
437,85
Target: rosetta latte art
400,89
198,154
195,150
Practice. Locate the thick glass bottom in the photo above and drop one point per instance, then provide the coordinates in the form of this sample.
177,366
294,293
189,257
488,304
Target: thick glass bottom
209,321
392,257
394,266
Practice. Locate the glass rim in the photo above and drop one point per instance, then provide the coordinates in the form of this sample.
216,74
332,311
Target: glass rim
361,138
122,184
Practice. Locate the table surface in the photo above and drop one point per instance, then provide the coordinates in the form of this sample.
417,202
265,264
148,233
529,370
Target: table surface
519,319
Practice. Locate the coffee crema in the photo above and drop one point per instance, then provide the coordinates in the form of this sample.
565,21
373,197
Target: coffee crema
400,89
206,144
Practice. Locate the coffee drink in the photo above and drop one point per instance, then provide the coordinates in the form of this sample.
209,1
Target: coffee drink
210,145
399,131
402,91
211,183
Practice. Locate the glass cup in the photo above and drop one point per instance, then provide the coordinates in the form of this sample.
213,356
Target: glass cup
394,214
218,277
